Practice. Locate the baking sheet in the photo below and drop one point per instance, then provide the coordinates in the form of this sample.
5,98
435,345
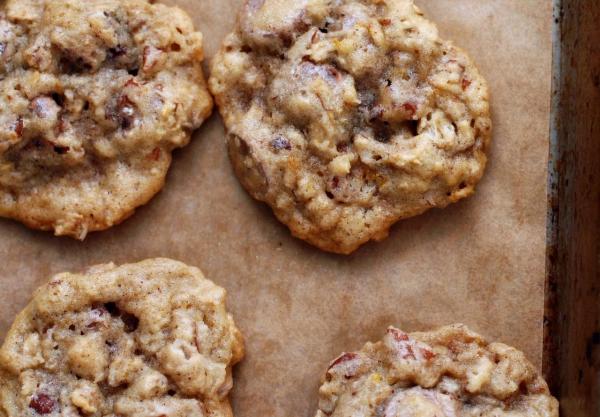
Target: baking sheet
480,262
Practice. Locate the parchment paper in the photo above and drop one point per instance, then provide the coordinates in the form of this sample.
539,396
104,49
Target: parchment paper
480,262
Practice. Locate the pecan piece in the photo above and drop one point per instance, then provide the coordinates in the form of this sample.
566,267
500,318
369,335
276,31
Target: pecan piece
42,403
409,108
151,57
427,354
345,357
398,335
154,155
18,126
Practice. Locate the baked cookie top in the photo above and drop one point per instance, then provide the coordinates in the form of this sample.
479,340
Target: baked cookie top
94,96
142,340
348,115
444,373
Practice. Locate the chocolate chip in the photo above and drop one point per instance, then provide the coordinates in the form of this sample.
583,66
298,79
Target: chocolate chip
382,130
73,65
342,147
116,52
130,321
413,127
280,143
58,98
38,143
112,309
123,112
61,150
42,403
2,48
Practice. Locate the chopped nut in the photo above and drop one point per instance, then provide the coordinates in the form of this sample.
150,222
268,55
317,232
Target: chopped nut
87,397
342,164
345,357
410,108
42,403
19,126
152,56
154,155
427,354
88,357
398,335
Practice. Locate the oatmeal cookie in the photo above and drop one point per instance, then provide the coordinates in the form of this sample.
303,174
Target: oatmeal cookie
94,97
444,373
346,116
142,340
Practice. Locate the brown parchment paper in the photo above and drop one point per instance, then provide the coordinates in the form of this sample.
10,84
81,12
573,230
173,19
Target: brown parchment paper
480,262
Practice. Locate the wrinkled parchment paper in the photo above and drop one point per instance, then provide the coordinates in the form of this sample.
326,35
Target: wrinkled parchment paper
480,262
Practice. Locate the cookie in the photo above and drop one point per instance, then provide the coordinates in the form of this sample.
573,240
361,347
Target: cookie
95,95
141,340
444,373
347,116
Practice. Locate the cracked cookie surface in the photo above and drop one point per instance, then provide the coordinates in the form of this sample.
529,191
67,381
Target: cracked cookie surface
141,340
94,97
444,373
346,116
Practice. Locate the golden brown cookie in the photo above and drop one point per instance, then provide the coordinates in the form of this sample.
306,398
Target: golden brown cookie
347,116
94,97
141,340
449,372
